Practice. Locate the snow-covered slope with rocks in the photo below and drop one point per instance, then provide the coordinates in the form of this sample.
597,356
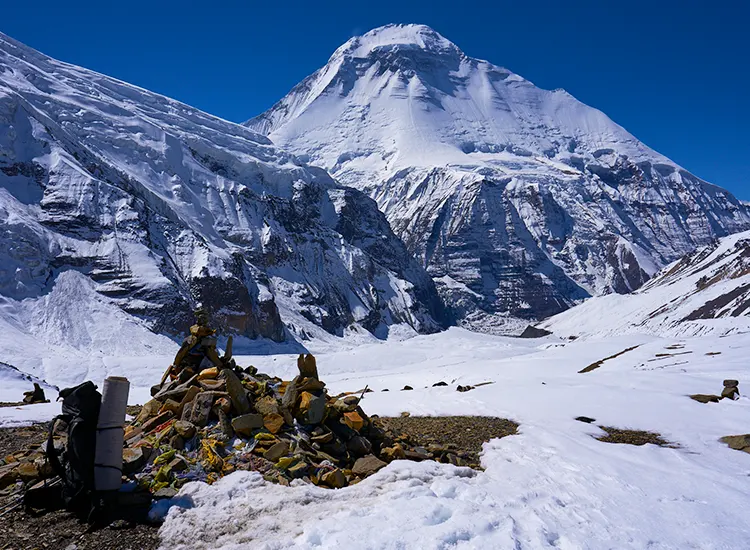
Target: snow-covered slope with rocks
705,292
553,486
519,201
140,204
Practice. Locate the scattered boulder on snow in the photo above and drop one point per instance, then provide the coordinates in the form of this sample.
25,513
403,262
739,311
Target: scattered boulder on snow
464,388
35,396
534,332
737,442
731,389
705,398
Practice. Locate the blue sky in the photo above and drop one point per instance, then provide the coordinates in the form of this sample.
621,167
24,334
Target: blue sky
674,73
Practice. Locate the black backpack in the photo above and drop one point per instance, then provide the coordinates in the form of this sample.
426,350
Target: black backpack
75,463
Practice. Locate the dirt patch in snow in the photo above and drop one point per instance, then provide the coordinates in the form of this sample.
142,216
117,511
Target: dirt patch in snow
599,363
465,434
634,437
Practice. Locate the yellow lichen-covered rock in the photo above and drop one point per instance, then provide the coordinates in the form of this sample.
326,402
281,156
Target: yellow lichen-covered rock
208,373
200,331
393,453
334,479
284,462
354,420
273,422
209,456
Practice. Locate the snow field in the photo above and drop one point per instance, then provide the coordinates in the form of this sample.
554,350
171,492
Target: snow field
551,486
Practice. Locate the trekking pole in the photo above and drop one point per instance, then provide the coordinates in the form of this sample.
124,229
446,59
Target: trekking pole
364,391
9,508
13,504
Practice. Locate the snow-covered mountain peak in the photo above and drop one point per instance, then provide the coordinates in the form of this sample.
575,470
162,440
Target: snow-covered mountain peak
403,96
517,199
397,37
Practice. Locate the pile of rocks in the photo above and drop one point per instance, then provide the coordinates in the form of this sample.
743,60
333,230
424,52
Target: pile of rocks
731,389
207,425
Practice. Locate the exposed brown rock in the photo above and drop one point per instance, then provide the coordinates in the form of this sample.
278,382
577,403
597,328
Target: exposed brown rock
151,408
236,392
705,398
185,429
737,442
307,366
156,421
276,451
367,465
354,420
273,422
247,423
267,405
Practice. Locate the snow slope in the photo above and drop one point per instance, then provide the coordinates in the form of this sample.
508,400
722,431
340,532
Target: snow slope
551,486
706,292
162,207
13,384
519,201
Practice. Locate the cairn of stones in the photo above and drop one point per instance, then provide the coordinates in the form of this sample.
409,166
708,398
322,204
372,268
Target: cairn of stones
207,425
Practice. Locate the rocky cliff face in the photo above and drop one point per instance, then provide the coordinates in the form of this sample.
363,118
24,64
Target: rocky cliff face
518,201
163,207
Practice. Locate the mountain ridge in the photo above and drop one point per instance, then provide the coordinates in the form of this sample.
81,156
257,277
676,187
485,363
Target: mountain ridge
706,292
163,207
525,201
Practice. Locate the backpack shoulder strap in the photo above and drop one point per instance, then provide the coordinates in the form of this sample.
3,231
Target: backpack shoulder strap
51,452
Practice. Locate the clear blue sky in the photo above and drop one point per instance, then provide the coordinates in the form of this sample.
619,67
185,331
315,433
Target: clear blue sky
674,73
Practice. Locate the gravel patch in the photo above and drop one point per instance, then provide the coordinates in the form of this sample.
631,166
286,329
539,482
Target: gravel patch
465,433
634,437
59,529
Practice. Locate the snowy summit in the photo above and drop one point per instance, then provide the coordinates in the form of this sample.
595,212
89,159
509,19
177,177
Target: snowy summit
518,201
